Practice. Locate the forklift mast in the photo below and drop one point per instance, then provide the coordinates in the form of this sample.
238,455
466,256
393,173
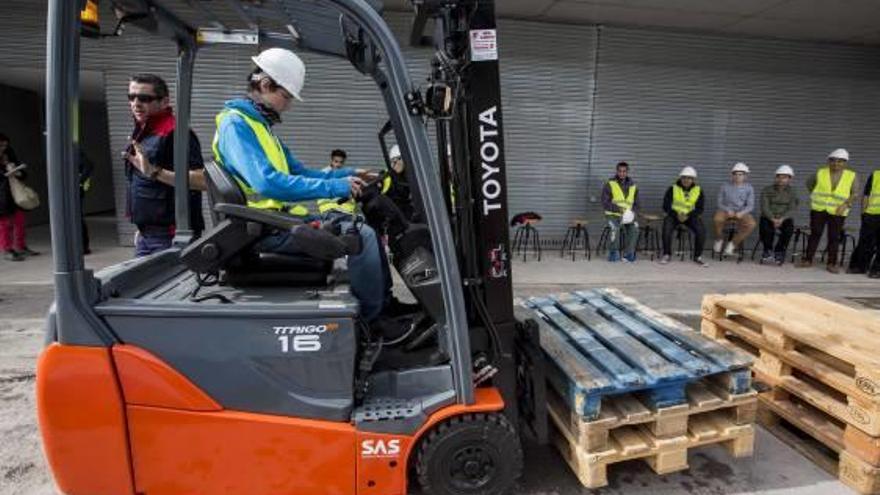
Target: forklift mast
464,96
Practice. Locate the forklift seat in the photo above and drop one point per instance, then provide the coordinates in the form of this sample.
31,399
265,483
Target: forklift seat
231,244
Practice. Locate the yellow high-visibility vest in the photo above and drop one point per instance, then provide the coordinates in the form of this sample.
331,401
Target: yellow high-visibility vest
874,198
274,153
823,198
683,201
328,205
624,202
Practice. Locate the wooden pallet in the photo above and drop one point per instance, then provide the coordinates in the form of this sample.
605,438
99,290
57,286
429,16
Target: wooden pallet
664,455
820,351
602,344
631,410
822,441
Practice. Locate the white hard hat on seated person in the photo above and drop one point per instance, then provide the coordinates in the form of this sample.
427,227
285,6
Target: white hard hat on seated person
839,154
785,170
688,172
394,152
285,68
740,167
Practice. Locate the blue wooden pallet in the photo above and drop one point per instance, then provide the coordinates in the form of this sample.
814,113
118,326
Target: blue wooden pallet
600,343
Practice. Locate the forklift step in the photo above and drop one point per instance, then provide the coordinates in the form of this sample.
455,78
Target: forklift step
603,344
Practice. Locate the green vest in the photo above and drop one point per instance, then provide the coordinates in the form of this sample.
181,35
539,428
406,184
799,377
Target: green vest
328,205
874,199
683,201
274,153
618,198
823,198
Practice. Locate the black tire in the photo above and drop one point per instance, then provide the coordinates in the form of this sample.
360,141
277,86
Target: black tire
470,454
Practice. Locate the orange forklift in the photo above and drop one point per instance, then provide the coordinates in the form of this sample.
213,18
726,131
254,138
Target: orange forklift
210,368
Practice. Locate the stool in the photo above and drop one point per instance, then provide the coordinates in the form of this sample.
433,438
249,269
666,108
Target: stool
575,237
605,238
526,237
801,234
649,237
683,241
845,235
729,232
776,233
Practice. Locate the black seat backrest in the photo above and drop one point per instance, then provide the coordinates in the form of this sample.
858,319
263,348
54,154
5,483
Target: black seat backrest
222,186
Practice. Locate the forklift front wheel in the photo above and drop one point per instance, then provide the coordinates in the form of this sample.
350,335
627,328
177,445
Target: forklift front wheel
470,454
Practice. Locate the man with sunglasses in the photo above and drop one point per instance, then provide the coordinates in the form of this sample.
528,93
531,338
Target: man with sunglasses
272,178
149,167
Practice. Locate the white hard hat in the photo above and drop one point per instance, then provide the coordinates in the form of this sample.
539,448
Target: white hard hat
688,172
785,170
394,152
285,68
740,167
839,154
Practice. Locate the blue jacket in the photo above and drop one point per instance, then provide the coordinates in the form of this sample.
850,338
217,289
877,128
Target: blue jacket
241,153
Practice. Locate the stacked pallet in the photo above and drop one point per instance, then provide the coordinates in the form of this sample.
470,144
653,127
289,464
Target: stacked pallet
821,361
629,383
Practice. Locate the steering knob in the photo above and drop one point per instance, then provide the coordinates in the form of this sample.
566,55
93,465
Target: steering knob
210,251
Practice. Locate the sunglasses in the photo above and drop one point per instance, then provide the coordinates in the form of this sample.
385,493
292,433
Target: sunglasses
141,98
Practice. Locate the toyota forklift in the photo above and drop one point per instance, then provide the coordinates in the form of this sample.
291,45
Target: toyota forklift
210,368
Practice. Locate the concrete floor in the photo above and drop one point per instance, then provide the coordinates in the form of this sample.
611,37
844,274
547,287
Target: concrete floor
26,292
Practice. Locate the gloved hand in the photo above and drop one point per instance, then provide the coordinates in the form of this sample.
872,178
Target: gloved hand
628,217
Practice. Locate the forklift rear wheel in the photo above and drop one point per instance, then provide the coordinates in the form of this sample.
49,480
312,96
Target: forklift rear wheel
470,454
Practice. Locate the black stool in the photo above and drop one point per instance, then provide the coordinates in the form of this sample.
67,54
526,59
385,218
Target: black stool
845,235
527,237
801,234
576,237
649,236
683,241
729,232
605,238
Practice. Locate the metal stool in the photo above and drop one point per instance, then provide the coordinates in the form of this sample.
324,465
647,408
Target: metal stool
729,232
801,234
649,236
683,241
605,238
845,235
576,236
526,237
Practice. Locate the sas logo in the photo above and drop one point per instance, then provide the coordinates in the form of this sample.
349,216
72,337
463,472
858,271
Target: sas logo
380,448
302,338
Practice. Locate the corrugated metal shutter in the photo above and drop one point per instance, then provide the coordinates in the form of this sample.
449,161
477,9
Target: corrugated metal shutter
546,89
667,99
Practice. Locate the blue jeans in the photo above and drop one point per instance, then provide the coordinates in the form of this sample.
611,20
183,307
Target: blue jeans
368,271
152,241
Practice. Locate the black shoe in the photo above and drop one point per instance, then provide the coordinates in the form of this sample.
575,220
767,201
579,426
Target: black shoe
855,271
13,256
87,251
874,274
29,252
394,308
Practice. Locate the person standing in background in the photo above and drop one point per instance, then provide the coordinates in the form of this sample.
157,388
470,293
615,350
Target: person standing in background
620,200
833,190
12,221
866,257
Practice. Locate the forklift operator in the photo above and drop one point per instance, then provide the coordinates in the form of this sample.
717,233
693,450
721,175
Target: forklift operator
272,177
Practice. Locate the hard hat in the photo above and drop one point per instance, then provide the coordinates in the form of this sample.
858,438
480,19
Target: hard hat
839,154
285,68
628,217
394,152
740,167
688,172
785,170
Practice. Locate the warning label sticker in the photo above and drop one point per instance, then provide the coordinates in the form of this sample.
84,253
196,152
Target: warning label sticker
484,45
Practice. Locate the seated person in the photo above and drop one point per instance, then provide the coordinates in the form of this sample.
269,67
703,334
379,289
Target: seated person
683,204
272,178
736,200
778,203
